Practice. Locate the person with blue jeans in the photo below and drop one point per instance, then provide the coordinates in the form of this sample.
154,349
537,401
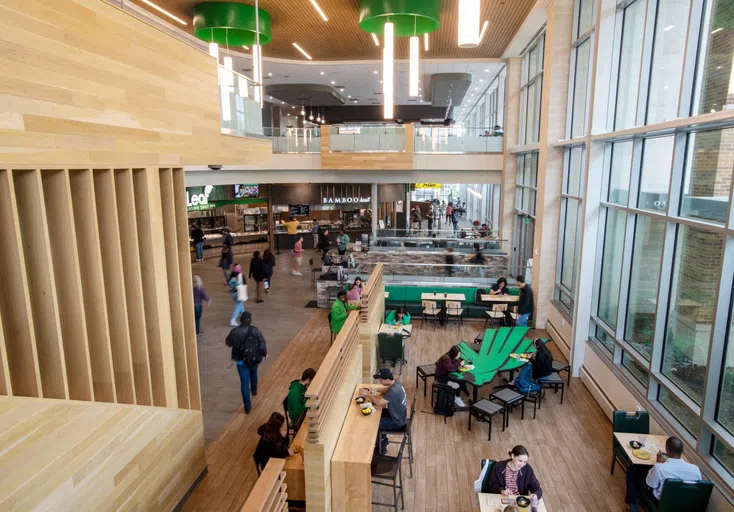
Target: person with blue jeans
248,351
393,402
238,289
197,235
525,305
199,297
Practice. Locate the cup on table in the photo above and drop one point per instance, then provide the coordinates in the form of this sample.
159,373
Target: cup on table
642,439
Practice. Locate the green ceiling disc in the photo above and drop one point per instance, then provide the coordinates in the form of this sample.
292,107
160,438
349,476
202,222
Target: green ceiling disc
231,24
411,17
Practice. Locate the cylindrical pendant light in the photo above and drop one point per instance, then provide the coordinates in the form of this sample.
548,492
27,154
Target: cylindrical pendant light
413,67
214,50
256,71
469,23
388,61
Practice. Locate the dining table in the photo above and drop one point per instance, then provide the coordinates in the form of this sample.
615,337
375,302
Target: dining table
653,443
489,502
443,298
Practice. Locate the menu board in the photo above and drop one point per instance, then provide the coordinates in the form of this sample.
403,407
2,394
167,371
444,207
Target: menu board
299,209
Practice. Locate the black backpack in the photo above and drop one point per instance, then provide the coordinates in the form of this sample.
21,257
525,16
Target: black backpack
250,350
445,401
478,295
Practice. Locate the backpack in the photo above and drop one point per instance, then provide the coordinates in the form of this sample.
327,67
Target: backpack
250,349
445,404
524,381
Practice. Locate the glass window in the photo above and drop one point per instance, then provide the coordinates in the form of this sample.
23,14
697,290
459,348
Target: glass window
692,307
573,176
565,300
580,85
619,177
531,134
643,286
667,60
716,75
707,181
586,16
604,338
630,58
568,250
725,411
724,455
636,369
679,410
657,160
611,269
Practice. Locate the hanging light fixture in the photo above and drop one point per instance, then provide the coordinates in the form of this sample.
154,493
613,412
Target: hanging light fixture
303,111
310,117
469,23
259,53
413,66
214,50
388,61
318,114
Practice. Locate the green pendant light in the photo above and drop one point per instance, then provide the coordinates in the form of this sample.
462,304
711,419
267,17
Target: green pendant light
409,17
231,24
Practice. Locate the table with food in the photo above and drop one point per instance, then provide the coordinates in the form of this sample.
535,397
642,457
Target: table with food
499,502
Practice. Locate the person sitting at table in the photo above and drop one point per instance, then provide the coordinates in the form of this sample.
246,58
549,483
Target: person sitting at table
652,478
355,290
500,288
273,441
297,394
540,366
398,317
515,476
340,310
394,404
447,364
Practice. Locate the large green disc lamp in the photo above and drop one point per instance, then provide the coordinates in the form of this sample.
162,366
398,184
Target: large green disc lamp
235,24
401,18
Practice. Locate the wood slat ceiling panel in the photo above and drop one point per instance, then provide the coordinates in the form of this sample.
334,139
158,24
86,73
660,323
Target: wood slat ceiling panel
341,38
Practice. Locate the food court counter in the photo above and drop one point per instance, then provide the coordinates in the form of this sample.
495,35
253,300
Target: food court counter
243,242
281,237
351,478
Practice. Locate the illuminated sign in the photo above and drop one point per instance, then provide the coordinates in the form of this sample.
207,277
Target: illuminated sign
429,185
346,200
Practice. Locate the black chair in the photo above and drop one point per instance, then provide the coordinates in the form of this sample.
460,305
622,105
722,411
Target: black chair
560,366
630,423
386,471
554,382
483,410
257,465
333,336
422,373
405,432
508,398
531,396
315,271
391,348
679,495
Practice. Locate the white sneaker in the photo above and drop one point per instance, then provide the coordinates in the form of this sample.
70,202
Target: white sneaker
298,274
295,273
234,324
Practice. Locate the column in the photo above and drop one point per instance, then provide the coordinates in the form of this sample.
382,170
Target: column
511,126
374,211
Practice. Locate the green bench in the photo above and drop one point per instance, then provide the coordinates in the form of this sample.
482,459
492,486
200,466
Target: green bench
409,297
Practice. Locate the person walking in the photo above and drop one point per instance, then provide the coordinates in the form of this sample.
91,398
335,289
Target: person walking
449,212
316,228
430,219
297,256
455,221
248,351
342,242
259,274
225,260
324,243
238,290
525,304
197,235
269,262
199,297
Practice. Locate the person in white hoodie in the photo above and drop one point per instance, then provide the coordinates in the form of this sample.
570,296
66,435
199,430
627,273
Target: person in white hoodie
238,290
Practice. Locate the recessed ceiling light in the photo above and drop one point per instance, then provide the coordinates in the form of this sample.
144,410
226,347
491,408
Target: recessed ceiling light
302,51
160,9
349,95
316,6
355,101
719,67
374,71
333,82
374,38
270,97
481,79
282,102
486,70
341,90
322,72
246,47
484,29
476,88
669,27
270,74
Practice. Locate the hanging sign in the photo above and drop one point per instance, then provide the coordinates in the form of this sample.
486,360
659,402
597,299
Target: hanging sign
429,185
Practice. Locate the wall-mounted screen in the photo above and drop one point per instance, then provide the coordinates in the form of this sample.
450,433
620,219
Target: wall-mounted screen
246,191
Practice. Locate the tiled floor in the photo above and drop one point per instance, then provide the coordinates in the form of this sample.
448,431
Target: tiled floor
279,318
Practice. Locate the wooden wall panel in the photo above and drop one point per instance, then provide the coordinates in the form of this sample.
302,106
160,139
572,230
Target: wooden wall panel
109,235
15,307
187,299
93,284
83,456
133,284
68,277
155,286
5,386
372,314
41,285
399,161
175,289
84,84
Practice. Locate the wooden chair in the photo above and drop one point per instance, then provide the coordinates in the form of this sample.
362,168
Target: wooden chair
454,310
679,495
386,470
514,314
631,423
430,311
496,314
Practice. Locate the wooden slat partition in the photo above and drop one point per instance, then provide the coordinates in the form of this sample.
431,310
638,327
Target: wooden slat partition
270,491
133,284
5,385
62,236
109,232
39,268
15,307
93,284
187,299
168,207
155,286
372,314
327,399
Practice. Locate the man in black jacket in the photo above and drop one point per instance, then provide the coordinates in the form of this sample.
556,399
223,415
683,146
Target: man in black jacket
248,351
525,305
197,235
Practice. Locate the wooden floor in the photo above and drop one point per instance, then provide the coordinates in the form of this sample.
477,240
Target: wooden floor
569,444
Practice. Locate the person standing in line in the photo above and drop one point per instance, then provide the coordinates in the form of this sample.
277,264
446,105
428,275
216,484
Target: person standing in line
297,257
324,243
197,235
248,351
269,262
417,220
225,261
258,273
430,218
342,242
292,227
340,310
199,297
455,221
449,213
525,305
238,290
316,237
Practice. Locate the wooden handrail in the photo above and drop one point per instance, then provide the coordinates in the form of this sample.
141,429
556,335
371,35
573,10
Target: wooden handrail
269,493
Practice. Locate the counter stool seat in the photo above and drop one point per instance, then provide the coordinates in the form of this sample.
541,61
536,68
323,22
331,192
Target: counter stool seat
553,381
560,366
483,410
508,398
422,373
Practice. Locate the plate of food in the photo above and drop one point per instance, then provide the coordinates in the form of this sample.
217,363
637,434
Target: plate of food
466,368
635,445
521,357
522,501
641,454
360,399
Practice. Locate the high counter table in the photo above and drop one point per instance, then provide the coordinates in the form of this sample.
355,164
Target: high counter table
295,474
351,477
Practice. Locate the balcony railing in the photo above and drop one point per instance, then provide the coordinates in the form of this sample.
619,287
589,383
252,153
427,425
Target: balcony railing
241,114
295,140
368,139
457,140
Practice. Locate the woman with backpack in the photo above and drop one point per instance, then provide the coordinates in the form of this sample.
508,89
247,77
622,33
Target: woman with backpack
238,290
539,366
449,363
248,351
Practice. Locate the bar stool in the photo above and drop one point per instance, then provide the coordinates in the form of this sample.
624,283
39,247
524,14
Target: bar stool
422,373
554,382
483,410
560,366
508,398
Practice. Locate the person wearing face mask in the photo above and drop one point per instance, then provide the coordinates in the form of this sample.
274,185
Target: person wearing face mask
273,441
515,476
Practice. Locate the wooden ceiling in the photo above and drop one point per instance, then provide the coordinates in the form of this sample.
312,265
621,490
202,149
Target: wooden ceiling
341,38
